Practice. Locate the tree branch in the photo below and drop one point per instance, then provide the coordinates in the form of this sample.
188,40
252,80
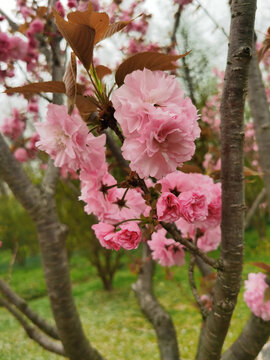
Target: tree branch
159,318
33,333
172,229
22,305
232,138
251,340
12,24
254,207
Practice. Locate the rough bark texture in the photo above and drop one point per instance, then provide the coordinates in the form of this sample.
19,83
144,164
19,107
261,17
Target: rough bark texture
261,119
159,318
51,234
250,342
232,135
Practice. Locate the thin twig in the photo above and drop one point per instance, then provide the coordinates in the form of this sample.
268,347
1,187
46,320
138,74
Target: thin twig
254,207
213,19
43,340
12,262
22,305
172,229
192,283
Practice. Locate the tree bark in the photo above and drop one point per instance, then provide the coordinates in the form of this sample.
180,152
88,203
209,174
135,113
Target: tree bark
159,318
250,342
261,120
232,138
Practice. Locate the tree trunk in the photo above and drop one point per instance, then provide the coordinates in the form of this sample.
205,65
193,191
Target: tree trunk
232,138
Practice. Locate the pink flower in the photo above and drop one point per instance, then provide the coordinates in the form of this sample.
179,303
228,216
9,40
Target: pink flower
179,182
210,240
21,155
159,124
166,251
193,206
14,126
129,236
18,48
72,3
4,46
36,26
60,8
255,287
106,235
168,207
65,138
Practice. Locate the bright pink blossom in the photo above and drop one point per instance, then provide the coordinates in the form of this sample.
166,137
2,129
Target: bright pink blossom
36,26
159,124
4,46
129,236
166,252
168,207
60,8
18,48
106,235
21,155
193,206
255,287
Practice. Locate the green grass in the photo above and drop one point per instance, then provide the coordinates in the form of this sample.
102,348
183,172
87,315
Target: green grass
113,321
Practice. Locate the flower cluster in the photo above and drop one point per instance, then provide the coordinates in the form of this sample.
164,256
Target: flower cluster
158,123
255,287
14,126
193,201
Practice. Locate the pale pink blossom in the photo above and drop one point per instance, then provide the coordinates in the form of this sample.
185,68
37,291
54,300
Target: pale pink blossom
129,236
14,126
255,287
66,139
21,155
179,182
168,207
106,204
166,252
193,206
210,239
160,125
106,235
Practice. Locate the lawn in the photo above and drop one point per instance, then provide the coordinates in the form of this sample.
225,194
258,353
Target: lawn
113,321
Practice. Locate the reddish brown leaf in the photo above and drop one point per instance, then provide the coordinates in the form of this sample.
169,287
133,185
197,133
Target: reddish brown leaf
150,60
112,29
23,28
102,71
41,11
86,106
69,80
262,265
186,168
97,21
35,88
80,38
